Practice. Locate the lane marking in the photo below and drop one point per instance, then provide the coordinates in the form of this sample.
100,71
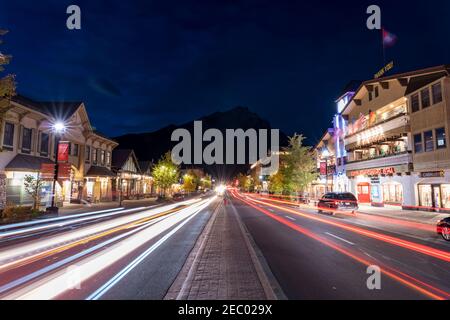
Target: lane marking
339,238
290,218
119,276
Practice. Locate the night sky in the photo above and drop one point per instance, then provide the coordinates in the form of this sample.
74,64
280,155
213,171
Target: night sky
141,65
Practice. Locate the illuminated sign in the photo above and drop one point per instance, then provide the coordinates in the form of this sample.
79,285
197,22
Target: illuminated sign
63,151
432,174
373,172
385,69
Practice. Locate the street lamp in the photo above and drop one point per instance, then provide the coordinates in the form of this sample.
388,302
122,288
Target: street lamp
58,128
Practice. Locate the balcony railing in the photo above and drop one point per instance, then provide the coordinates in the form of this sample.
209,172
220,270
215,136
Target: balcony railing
381,161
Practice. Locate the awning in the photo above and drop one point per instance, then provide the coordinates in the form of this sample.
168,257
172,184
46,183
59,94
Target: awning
24,162
96,171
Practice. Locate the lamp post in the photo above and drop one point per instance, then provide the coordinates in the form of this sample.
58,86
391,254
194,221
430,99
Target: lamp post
58,128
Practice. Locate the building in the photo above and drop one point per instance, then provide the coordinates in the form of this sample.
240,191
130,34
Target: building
396,140
29,142
147,185
129,179
325,155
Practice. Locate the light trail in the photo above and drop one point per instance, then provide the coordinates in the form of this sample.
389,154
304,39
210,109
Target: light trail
377,218
418,285
24,254
423,249
57,283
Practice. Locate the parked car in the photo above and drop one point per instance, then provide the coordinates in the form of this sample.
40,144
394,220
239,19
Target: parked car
443,228
342,201
178,196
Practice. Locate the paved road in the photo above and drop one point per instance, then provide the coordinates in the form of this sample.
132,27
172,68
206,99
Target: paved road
113,255
322,257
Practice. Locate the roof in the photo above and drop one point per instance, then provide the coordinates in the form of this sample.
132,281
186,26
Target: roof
24,162
120,157
419,82
62,110
96,171
427,73
145,166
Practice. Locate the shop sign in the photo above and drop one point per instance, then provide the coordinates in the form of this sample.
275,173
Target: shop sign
64,170
432,174
47,171
375,180
63,151
373,172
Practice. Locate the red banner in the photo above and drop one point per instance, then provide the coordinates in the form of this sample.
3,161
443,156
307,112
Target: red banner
47,171
63,151
323,168
64,170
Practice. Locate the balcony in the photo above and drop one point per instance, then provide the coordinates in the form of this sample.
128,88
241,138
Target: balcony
398,159
379,130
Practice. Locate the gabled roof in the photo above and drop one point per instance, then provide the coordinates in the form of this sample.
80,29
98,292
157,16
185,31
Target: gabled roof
96,171
145,166
120,157
414,79
61,110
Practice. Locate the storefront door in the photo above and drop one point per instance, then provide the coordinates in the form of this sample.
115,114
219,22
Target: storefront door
363,192
437,196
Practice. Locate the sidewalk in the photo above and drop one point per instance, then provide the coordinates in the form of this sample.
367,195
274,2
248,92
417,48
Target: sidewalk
222,265
409,215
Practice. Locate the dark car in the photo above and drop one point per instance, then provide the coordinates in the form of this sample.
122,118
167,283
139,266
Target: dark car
339,201
443,228
178,196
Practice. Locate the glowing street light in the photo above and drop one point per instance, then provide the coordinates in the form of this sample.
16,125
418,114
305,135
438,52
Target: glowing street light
59,127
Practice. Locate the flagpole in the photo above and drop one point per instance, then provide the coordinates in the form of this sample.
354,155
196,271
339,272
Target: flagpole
382,44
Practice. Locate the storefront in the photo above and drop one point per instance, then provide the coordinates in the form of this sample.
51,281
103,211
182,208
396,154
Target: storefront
99,184
434,191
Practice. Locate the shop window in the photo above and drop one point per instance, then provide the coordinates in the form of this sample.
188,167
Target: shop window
8,136
425,98
393,193
425,195
441,142
108,158
94,156
429,143
418,145
102,157
415,106
446,195
44,143
27,135
436,90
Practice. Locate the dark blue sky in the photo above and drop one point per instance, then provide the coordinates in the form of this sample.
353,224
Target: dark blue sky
140,65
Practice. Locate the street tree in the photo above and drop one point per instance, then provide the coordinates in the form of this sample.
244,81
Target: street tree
299,167
165,173
7,86
189,182
33,186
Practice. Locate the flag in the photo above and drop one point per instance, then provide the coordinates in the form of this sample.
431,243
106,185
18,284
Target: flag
389,39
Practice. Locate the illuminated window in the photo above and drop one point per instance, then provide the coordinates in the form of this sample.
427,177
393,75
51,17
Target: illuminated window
418,145
8,136
425,97
415,106
441,142
428,137
437,93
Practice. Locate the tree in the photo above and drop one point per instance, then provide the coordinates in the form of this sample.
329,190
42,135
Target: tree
276,184
189,183
206,182
165,173
299,168
33,188
7,86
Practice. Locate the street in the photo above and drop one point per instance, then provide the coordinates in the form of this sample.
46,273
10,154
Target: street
138,253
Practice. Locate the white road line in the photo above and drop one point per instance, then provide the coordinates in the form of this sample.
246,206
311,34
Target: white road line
271,210
290,218
339,238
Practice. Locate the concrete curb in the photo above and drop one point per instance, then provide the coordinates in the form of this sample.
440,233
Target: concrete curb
271,287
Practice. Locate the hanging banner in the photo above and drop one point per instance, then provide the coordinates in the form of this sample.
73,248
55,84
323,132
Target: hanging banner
63,151
323,168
